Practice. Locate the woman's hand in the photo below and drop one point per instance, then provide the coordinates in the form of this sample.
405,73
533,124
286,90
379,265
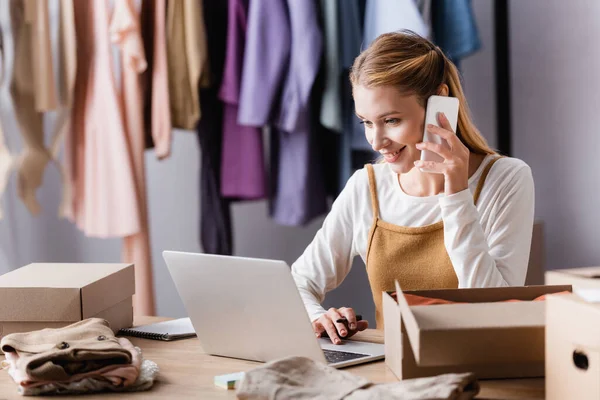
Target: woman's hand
455,166
327,323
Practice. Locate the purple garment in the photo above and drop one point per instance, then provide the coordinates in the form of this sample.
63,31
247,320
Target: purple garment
266,59
300,191
281,61
242,161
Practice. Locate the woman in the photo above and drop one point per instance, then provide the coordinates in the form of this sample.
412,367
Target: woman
469,224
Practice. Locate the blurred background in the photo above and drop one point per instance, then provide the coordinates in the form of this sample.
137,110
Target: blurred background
530,77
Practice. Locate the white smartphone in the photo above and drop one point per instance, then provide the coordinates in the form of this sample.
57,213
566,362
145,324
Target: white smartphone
435,105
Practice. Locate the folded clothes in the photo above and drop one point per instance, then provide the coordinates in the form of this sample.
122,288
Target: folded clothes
59,354
82,357
415,300
145,380
300,378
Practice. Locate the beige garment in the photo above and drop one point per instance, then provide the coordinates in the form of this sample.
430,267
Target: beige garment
126,32
58,354
415,256
300,378
67,53
33,92
187,58
160,104
148,373
6,158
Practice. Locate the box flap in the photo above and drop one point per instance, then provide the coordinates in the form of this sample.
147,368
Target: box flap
581,277
112,284
485,295
408,320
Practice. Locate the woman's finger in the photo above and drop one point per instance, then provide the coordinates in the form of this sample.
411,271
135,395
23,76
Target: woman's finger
350,316
330,329
334,315
444,123
318,328
440,149
431,166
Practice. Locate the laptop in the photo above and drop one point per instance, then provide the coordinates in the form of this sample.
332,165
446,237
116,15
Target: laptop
251,309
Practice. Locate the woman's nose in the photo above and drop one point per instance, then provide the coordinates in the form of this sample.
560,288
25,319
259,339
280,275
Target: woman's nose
379,142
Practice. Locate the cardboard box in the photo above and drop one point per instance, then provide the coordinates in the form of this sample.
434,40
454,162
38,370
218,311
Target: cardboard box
537,260
572,348
52,295
587,277
489,337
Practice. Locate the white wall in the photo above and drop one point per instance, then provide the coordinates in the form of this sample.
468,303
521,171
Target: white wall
555,57
174,202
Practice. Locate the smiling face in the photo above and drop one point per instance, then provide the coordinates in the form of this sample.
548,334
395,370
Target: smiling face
393,124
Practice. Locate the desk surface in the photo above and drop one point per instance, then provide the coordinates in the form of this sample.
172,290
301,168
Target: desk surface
186,373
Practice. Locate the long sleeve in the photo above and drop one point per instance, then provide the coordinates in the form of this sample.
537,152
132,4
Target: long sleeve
327,260
266,59
498,255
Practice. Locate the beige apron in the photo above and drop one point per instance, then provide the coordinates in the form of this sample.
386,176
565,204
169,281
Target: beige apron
415,256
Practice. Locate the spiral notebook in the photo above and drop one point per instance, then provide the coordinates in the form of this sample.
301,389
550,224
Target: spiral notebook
166,330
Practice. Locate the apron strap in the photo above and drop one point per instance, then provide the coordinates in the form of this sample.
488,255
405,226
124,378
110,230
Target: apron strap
484,175
373,190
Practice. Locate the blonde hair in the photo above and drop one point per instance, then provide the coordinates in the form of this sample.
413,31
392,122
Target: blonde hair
416,66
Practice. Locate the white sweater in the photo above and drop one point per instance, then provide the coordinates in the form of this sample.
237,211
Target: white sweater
488,244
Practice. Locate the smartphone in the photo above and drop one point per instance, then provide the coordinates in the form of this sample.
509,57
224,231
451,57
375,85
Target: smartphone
435,105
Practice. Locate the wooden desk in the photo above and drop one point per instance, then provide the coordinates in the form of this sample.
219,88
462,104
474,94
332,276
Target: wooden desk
187,373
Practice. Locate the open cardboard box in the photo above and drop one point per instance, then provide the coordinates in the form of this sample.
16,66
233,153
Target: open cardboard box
52,295
572,348
587,277
486,336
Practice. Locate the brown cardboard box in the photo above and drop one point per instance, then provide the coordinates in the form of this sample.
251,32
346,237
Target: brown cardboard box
488,337
536,266
587,277
52,295
572,348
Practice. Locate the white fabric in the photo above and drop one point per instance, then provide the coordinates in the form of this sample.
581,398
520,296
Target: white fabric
383,16
488,245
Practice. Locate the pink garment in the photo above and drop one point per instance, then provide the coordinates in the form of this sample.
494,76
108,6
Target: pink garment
126,33
104,192
105,151
161,112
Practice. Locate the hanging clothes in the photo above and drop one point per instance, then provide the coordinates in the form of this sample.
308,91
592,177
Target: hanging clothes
351,21
331,102
157,112
382,16
6,158
126,33
283,52
105,147
215,211
33,91
242,162
454,29
187,60
300,189
67,53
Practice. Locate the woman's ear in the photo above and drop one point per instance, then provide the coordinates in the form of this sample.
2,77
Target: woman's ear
443,90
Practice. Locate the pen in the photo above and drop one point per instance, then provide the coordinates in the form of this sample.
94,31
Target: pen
344,320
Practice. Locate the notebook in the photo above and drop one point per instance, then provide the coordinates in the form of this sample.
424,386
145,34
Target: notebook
166,330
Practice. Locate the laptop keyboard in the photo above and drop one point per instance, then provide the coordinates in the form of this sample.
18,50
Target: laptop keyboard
334,356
